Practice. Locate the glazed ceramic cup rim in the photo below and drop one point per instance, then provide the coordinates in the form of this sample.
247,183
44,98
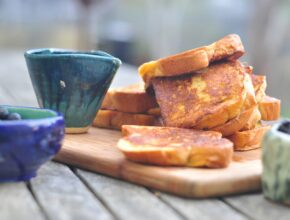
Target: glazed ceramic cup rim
54,117
57,52
275,130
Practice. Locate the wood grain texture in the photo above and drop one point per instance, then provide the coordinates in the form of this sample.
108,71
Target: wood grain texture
96,151
128,201
16,202
205,209
255,206
64,197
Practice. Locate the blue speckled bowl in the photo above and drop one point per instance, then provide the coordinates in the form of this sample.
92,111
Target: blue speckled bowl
71,82
26,144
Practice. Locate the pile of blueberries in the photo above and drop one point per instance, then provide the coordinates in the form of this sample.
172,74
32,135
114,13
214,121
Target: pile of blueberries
285,127
6,115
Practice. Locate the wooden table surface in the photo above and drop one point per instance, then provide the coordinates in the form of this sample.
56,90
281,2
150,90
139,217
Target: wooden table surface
60,192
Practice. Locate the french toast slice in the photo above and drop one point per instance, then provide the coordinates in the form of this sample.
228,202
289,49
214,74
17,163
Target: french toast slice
132,129
168,146
236,124
260,85
114,120
130,99
250,139
210,121
154,111
253,120
206,99
250,116
228,48
270,108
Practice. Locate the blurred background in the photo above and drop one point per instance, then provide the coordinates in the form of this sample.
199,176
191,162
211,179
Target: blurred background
137,31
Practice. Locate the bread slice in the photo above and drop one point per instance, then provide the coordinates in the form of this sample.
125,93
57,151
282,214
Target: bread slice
230,48
130,99
250,102
167,146
260,84
133,129
270,108
236,124
206,99
114,119
250,115
154,111
250,139
253,120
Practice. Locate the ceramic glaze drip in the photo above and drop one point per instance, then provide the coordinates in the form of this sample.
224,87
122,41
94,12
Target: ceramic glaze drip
73,83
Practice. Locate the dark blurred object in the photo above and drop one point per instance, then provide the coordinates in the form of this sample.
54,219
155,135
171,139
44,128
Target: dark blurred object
118,40
86,3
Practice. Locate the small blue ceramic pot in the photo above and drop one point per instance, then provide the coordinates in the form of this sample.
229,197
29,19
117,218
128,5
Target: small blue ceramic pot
71,82
26,144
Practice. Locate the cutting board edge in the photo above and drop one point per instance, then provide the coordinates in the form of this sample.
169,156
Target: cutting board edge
189,189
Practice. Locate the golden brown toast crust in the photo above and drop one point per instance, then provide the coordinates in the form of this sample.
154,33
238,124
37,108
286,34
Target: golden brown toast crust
132,129
270,108
205,99
176,147
228,48
250,139
260,85
154,111
253,120
130,99
236,124
114,119
250,115
211,121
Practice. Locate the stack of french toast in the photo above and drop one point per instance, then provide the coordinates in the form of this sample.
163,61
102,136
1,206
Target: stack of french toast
193,109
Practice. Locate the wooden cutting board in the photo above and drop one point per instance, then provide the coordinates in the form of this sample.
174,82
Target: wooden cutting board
96,151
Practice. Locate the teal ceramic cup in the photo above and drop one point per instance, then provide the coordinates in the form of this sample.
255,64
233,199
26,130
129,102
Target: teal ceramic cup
71,82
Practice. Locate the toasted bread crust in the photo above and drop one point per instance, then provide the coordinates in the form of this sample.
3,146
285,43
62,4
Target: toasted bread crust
175,147
270,108
114,119
206,99
247,120
130,99
230,47
154,111
219,118
253,120
260,85
236,124
250,139
132,129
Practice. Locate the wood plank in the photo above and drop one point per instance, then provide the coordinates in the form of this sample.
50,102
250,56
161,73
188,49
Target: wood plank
128,201
64,197
5,98
23,96
96,151
259,208
201,209
18,203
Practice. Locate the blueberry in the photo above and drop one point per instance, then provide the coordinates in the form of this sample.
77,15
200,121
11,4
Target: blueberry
3,113
14,116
